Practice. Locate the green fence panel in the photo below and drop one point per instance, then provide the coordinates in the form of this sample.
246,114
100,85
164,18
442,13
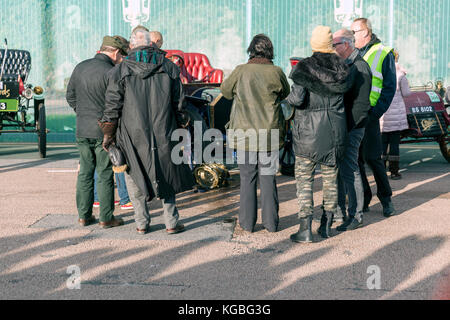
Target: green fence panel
61,33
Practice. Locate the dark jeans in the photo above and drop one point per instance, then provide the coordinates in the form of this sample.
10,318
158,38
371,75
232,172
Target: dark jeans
349,177
250,171
121,187
93,157
391,146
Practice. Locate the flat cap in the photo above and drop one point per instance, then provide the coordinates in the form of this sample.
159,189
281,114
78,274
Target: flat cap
117,42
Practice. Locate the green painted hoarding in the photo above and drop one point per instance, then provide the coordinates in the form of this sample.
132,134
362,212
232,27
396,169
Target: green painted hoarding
61,33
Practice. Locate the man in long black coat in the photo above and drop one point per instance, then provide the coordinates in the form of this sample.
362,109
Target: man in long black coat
142,101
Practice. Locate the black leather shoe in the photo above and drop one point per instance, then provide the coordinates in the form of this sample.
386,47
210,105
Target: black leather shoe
351,224
304,234
396,176
388,209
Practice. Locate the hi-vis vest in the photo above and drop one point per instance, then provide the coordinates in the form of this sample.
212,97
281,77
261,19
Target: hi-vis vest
375,57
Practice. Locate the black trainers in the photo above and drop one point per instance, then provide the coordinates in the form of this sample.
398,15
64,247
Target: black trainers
351,224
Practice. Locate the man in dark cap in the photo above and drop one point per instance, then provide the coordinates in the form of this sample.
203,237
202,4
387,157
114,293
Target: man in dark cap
86,95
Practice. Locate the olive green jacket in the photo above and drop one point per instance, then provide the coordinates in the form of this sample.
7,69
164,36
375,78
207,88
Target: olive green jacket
256,90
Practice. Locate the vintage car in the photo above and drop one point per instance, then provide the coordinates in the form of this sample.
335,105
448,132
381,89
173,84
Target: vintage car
428,118
427,115
17,96
205,104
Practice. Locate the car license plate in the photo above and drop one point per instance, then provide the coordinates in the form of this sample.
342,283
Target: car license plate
422,109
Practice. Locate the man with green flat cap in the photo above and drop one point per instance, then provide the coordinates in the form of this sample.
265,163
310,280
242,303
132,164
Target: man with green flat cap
86,95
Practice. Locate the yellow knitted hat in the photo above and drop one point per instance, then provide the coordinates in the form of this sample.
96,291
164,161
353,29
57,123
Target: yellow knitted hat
322,40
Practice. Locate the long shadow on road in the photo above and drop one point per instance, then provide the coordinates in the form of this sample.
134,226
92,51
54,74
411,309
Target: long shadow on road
281,270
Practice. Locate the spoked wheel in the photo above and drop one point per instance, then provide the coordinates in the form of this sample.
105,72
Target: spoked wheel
42,131
208,93
444,144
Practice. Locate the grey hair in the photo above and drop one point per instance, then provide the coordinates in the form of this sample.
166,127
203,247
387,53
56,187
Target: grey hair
140,37
365,22
347,36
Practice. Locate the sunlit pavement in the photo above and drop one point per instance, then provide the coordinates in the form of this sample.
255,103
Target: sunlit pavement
43,250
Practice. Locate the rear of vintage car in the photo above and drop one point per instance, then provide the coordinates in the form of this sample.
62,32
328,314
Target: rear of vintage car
428,120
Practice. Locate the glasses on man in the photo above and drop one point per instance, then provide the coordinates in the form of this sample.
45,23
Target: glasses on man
355,31
337,43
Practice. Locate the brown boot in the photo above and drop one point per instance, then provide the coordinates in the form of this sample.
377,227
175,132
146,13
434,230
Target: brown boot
114,222
86,222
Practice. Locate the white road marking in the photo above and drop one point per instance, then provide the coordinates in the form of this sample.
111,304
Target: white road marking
415,150
60,171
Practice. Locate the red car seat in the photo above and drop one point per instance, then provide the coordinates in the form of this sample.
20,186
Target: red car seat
195,67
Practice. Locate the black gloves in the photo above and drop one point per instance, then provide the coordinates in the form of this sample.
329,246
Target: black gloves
109,133
183,118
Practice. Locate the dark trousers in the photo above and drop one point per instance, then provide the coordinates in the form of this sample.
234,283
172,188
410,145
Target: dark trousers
370,153
92,157
391,146
250,170
384,191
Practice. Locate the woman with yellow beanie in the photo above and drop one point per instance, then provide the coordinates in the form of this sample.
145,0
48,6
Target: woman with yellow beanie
319,128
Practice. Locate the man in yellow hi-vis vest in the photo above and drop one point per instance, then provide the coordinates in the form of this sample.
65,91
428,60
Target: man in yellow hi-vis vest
384,83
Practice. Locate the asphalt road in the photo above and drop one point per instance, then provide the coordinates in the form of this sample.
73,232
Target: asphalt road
42,250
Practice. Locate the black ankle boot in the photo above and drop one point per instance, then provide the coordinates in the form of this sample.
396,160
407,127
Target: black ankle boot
325,224
394,168
304,233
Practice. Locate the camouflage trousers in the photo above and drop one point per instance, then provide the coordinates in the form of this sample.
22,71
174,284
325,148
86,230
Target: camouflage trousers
304,175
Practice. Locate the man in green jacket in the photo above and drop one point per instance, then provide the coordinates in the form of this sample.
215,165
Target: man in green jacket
86,95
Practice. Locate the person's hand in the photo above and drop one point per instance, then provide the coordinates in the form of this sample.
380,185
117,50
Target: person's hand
182,118
109,133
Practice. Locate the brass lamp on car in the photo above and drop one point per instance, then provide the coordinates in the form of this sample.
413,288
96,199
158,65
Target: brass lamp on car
211,175
38,90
